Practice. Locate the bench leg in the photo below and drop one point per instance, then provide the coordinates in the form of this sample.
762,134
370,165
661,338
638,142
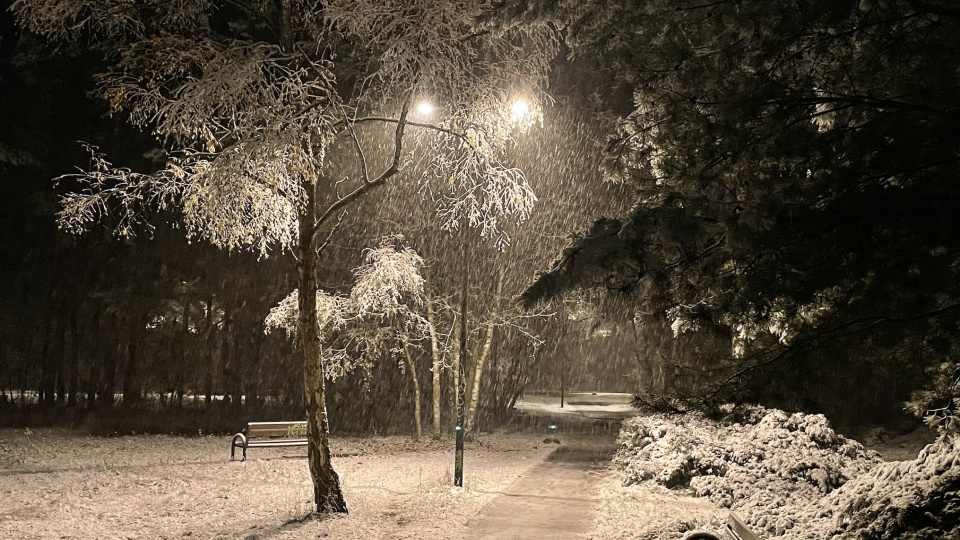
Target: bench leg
233,446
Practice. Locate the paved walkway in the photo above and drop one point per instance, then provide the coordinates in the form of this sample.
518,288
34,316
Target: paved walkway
554,500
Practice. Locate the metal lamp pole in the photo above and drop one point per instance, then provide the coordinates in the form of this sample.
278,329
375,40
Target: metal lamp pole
461,379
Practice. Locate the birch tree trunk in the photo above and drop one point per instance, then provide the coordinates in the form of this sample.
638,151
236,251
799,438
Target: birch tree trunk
326,484
412,368
481,359
208,378
437,367
455,371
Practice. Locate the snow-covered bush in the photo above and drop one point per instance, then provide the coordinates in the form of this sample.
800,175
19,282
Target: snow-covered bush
899,500
766,471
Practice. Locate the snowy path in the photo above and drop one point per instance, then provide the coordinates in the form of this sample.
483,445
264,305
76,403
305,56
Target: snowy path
556,499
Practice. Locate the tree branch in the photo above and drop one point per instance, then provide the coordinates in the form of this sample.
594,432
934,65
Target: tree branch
368,186
434,127
832,333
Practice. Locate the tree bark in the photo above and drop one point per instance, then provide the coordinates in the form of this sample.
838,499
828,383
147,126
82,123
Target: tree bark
326,484
62,356
131,373
208,378
481,359
180,378
455,371
74,384
45,391
437,367
412,368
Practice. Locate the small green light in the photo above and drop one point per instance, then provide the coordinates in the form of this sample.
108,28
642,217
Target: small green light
553,426
458,428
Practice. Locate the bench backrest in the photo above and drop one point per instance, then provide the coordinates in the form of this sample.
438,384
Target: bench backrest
292,430
738,529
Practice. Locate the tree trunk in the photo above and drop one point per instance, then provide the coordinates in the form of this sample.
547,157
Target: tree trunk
182,351
412,368
107,371
61,368
478,367
45,391
327,496
231,361
255,376
74,384
455,371
437,364
208,378
93,383
108,377
481,360
131,373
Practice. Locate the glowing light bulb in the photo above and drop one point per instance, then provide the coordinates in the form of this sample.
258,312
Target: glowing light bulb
425,108
519,109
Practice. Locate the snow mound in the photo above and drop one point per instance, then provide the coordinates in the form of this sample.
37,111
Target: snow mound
903,500
766,465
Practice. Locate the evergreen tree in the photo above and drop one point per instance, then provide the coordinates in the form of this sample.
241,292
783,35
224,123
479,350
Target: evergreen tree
796,171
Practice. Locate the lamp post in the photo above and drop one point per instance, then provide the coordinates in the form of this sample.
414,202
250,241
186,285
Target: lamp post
462,372
563,370
519,112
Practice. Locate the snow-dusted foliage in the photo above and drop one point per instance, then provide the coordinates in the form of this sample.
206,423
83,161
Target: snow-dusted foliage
792,477
939,403
908,500
381,309
331,314
766,468
389,280
247,123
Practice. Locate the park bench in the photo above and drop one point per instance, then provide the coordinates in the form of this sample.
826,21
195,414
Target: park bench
736,529
269,434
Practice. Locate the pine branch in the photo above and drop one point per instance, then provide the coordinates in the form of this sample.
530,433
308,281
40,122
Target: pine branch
943,11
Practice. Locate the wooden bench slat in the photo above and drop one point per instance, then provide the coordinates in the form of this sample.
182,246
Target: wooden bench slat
739,529
277,442
258,424
277,432
267,434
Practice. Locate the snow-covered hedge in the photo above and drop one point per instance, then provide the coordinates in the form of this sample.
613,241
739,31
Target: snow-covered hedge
791,477
902,500
764,466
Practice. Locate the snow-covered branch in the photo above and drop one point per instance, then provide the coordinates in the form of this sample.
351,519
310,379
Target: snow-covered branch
382,306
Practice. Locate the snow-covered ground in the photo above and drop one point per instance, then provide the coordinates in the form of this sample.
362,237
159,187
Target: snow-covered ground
593,405
57,484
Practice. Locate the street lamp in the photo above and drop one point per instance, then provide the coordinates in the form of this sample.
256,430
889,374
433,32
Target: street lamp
520,115
462,375
519,110
424,109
